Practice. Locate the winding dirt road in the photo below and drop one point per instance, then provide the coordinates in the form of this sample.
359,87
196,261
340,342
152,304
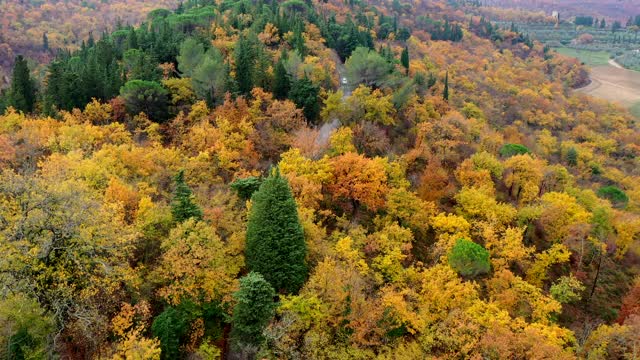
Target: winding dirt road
613,63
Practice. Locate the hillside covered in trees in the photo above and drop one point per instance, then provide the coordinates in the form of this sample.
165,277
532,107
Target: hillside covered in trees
39,29
316,180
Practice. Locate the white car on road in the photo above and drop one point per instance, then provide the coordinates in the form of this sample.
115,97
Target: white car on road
344,81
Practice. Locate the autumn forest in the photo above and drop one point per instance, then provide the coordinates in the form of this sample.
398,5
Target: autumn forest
308,179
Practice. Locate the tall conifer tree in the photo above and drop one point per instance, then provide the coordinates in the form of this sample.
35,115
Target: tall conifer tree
282,83
254,309
304,94
275,241
404,59
245,65
183,207
445,93
22,94
45,42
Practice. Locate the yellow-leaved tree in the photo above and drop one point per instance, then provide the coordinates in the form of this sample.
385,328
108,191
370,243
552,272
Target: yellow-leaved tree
197,265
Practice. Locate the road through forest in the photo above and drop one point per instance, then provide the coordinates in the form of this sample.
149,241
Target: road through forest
325,131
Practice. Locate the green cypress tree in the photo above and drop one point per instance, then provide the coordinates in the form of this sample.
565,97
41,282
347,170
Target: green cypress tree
183,207
282,83
261,76
298,41
253,311
230,84
3,101
275,241
113,80
91,85
132,39
245,65
22,94
572,156
53,93
404,59
445,93
45,42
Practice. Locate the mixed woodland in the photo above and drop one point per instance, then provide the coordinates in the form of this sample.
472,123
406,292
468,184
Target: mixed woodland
315,180
37,29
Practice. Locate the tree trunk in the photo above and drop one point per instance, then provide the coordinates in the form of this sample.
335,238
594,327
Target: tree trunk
595,280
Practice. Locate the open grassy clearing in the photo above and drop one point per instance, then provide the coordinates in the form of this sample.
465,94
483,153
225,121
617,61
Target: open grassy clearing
591,58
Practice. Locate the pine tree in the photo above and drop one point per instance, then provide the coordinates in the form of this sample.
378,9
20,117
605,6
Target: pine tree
245,187
230,84
431,80
132,39
113,80
22,94
275,241
253,311
91,85
91,42
148,97
388,54
572,156
404,59
305,94
445,93
245,65
261,75
180,8
53,92
3,101
281,83
170,327
183,207
298,41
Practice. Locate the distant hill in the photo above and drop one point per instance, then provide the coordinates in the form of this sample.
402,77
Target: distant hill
65,23
611,9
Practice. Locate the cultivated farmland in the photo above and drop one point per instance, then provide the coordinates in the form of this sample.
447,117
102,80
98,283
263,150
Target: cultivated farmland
616,84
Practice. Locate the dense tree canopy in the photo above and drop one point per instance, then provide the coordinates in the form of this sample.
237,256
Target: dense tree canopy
147,97
314,217
367,67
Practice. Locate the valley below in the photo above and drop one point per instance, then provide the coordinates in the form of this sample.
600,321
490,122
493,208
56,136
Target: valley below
613,83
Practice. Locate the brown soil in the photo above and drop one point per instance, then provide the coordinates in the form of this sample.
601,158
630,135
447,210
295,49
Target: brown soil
614,84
